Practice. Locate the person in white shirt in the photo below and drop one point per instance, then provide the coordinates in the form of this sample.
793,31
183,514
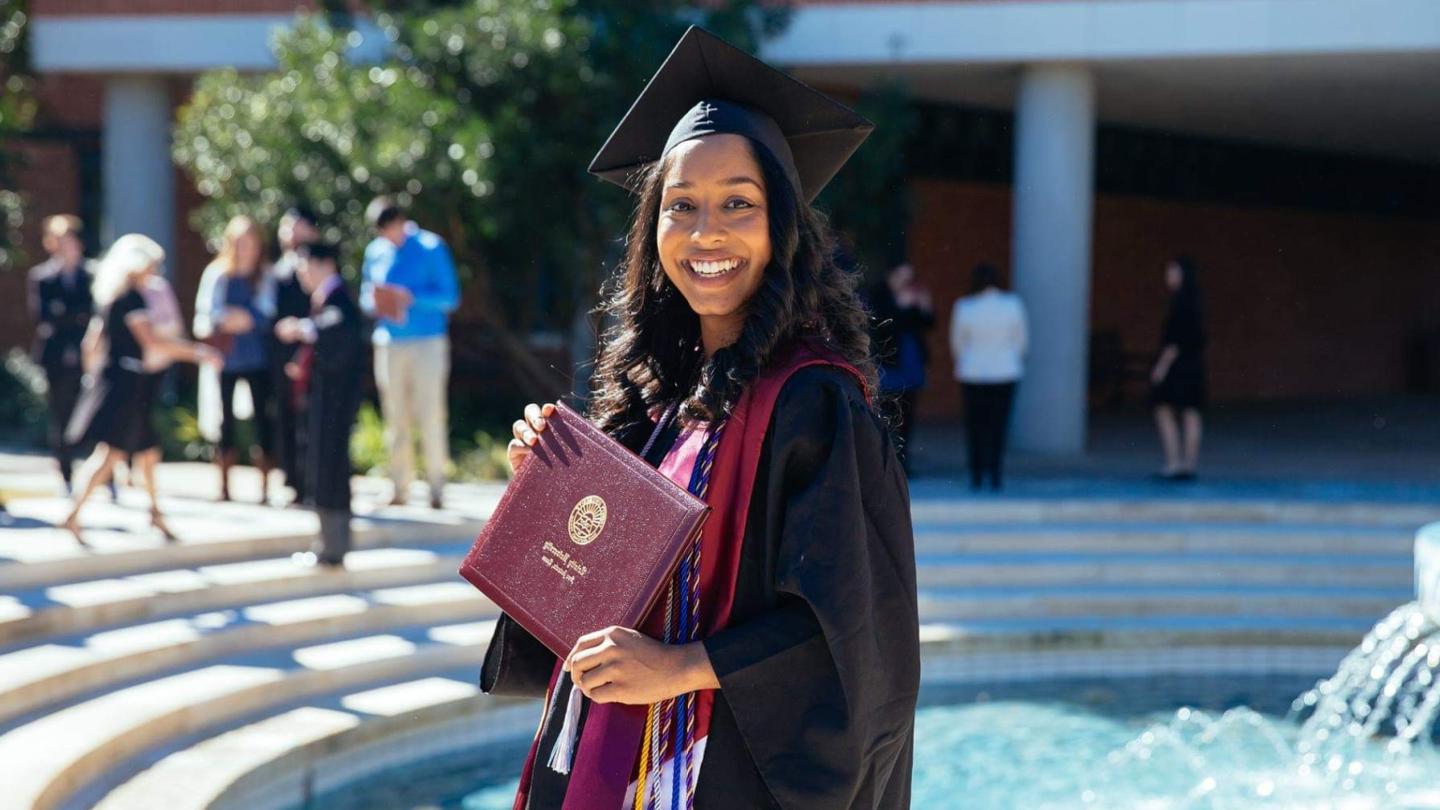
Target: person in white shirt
988,339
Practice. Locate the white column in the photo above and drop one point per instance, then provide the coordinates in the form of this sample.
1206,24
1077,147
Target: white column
1054,183
138,178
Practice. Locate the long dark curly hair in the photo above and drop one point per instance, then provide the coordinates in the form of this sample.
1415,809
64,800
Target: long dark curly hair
651,355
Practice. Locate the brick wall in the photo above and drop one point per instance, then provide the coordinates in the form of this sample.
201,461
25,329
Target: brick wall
1300,304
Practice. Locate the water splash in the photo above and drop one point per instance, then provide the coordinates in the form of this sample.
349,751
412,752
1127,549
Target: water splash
1362,738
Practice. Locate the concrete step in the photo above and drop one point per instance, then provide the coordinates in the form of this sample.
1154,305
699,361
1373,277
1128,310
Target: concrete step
211,534
1100,632
1061,602
44,675
948,508
292,754
49,759
1058,568
276,761
82,606
1152,538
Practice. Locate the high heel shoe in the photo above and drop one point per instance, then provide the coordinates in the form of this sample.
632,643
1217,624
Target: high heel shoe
72,525
158,523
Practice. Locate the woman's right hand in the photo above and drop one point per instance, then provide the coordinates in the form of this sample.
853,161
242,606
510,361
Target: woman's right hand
526,432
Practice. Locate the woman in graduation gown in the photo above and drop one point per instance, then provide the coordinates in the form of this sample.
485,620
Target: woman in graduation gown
740,366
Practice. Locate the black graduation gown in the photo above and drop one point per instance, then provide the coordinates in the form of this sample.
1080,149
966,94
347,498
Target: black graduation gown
332,399
819,668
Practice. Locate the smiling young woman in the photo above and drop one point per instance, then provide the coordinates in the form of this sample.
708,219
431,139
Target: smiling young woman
781,666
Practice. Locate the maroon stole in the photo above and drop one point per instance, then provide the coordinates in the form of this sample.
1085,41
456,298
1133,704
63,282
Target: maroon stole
609,743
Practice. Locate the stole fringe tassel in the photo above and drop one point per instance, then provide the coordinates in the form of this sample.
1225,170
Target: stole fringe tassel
562,756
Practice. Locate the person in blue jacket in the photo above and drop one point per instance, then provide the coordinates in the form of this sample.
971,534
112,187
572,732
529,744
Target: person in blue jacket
409,287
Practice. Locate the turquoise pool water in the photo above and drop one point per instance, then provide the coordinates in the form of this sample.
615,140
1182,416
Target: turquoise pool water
1149,744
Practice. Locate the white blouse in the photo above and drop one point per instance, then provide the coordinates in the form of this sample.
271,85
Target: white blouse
988,337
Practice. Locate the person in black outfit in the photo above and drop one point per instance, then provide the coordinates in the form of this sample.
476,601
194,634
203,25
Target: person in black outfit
1178,379
297,227
115,409
60,305
902,313
330,364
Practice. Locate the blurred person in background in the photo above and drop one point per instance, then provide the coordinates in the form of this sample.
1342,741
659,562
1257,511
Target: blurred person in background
297,227
329,365
1178,378
121,345
409,286
234,307
902,313
988,339
58,296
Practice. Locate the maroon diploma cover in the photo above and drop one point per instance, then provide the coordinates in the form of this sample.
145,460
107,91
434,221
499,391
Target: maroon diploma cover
585,536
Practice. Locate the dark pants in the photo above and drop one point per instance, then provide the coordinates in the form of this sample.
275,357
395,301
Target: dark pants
334,540
259,382
987,419
64,385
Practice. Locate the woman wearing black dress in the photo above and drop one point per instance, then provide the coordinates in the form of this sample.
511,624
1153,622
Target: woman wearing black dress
115,408
1178,379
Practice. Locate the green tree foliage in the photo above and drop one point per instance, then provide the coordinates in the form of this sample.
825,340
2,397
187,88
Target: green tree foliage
869,201
17,109
480,116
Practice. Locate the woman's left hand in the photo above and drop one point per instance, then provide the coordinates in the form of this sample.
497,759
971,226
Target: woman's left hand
621,665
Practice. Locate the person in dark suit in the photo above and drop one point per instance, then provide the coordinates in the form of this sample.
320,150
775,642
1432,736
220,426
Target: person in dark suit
60,303
297,227
330,364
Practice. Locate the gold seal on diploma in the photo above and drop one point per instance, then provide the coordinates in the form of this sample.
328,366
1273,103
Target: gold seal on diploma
587,520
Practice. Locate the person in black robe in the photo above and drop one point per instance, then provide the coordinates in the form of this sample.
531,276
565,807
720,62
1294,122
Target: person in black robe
60,306
297,227
814,671
330,365
1178,379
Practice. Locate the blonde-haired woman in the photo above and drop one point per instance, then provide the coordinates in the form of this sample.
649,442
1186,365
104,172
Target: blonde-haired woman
122,348
234,308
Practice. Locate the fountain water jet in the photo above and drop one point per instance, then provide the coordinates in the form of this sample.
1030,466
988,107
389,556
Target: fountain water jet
1334,741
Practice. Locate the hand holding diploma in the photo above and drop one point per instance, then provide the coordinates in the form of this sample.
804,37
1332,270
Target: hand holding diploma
526,432
618,664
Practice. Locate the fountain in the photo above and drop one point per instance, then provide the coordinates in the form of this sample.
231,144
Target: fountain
1362,738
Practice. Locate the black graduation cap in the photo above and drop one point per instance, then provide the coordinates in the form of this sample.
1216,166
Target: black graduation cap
708,86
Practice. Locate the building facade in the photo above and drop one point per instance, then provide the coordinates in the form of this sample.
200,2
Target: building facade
1292,147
